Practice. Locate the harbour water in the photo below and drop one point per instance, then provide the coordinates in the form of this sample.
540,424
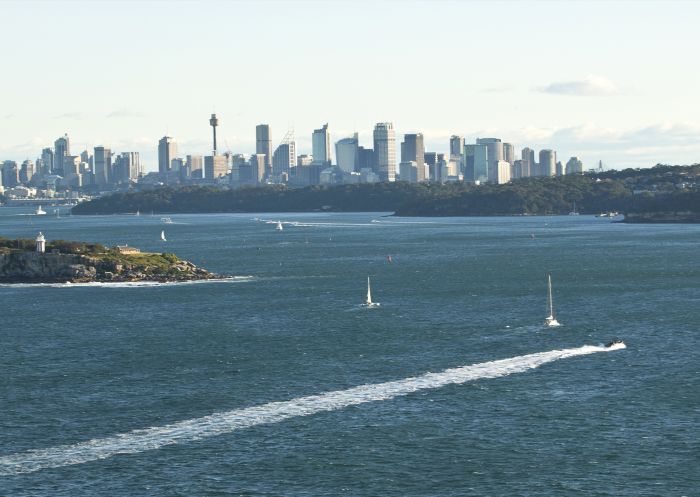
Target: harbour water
203,388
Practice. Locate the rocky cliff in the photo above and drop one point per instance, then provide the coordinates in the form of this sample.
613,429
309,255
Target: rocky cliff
32,267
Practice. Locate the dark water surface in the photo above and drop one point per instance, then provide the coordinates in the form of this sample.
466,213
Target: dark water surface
82,363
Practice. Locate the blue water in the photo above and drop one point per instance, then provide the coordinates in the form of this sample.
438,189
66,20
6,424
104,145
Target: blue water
85,363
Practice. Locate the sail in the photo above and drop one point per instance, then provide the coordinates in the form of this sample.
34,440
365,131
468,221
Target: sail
549,296
369,293
162,235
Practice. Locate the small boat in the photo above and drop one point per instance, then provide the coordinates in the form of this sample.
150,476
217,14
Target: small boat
166,220
613,343
573,212
368,300
279,226
138,213
550,320
40,211
162,236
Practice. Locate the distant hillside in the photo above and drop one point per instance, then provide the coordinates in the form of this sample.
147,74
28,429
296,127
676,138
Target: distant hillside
624,191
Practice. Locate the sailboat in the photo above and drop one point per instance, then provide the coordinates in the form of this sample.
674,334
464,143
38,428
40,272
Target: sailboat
279,226
40,211
550,320
138,212
368,302
162,236
574,212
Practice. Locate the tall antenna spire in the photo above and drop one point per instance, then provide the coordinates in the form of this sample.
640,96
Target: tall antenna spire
214,122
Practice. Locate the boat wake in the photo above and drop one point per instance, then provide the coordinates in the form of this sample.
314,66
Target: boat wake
126,284
137,441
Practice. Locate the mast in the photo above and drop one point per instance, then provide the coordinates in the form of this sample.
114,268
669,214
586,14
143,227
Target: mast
549,295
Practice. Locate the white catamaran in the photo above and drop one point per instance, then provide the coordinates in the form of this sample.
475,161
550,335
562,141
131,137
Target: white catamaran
368,302
550,320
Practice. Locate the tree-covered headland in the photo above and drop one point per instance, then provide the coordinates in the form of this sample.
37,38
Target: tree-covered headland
661,188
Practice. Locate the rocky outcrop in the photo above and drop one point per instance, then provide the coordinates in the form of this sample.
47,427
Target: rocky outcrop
662,217
32,267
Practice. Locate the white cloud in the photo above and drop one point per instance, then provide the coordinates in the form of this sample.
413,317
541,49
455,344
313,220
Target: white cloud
588,87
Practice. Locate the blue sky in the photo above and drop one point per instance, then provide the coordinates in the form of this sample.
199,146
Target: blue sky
611,81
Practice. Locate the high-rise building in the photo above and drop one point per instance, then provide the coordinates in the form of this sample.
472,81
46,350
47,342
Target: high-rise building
167,151
127,167
365,159
257,165
284,158
528,165
574,166
482,163
10,174
102,159
495,146
321,143
408,171
548,162
215,167
263,145
304,160
468,162
61,149
413,150
193,166
456,146
509,153
26,172
503,172
347,154
47,161
385,151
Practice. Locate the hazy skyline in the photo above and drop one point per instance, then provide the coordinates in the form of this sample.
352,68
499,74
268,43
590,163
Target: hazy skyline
601,80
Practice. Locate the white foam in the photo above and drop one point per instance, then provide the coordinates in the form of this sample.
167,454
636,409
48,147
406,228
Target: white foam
126,284
141,440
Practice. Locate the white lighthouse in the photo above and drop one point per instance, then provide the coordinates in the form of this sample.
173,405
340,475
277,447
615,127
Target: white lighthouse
40,244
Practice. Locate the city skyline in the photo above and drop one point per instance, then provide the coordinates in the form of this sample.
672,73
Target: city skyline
616,86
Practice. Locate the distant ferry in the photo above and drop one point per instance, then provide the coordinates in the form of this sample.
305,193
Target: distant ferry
166,220
608,214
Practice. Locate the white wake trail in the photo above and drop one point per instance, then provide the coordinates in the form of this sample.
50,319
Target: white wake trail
136,441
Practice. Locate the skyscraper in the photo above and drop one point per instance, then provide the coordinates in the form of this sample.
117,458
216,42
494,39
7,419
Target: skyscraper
548,162
509,153
193,167
127,167
284,158
385,151
26,172
215,166
102,165
482,163
263,145
528,165
347,154
61,149
413,150
321,142
574,166
167,151
495,146
47,160
257,165
456,146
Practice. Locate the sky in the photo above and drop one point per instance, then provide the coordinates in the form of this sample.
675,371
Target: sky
615,81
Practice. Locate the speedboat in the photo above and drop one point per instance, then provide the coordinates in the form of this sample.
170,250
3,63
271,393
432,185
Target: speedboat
613,342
